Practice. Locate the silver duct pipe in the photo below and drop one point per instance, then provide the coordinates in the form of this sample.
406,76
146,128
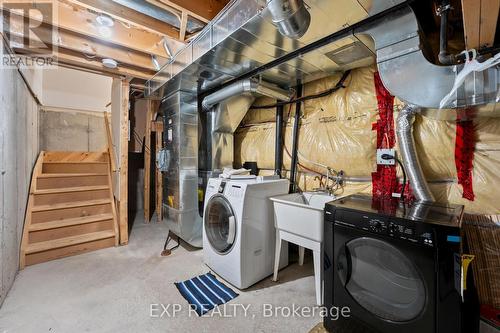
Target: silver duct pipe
290,16
407,74
247,86
229,106
404,129
167,49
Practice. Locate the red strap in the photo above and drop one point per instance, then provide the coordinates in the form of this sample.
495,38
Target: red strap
384,180
464,156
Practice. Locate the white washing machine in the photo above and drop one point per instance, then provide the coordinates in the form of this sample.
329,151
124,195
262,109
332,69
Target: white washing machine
238,229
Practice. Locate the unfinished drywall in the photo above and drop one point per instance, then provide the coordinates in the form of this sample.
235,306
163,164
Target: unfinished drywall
18,153
71,130
337,131
73,89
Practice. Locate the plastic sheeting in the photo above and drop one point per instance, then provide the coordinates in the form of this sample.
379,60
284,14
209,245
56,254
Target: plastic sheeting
337,131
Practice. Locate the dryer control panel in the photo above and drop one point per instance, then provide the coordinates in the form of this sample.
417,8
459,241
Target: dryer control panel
392,227
427,224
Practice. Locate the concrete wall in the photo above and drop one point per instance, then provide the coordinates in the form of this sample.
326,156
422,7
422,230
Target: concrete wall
70,130
18,153
72,115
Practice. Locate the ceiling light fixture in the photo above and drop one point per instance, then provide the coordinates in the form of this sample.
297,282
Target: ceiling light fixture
105,32
105,21
109,63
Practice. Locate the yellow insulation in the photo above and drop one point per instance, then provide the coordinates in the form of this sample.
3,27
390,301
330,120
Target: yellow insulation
337,131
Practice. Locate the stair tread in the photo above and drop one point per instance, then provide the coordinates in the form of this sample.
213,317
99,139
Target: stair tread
70,205
69,175
70,222
74,162
68,241
72,189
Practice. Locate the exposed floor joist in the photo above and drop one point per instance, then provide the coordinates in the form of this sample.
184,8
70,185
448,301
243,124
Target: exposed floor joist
204,10
74,60
127,15
88,47
133,38
80,20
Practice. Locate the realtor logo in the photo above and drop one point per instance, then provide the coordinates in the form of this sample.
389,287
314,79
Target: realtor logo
28,29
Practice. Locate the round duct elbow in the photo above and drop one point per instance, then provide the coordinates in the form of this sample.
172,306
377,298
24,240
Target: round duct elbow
290,16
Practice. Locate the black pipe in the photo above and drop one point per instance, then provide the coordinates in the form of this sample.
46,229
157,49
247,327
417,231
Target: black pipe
325,93
444,57
295,144
452,59
278,146
348,31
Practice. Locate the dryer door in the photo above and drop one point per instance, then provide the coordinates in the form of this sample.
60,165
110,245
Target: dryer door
220,224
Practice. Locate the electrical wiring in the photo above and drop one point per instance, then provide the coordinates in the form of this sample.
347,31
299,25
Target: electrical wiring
404,178
319,176
388,157
339,85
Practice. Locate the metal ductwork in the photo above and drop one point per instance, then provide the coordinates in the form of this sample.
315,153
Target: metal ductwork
404,129
290,16
238,42
227,108
245,87
407,74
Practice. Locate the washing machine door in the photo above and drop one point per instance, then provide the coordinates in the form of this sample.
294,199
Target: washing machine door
220,224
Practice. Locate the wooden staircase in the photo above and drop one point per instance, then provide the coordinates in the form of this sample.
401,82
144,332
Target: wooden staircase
71,208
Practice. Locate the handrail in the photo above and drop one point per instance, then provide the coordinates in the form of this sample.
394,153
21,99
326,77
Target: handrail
111,150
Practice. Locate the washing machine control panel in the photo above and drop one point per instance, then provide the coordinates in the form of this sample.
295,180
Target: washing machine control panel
234,191
222,187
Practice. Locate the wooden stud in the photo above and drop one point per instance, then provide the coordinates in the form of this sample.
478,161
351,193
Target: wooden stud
116,227
147,164
124,135
158,126
480,22
183,26
472,16
151,114
489,19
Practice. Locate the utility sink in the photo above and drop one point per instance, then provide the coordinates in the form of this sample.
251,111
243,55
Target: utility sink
301,214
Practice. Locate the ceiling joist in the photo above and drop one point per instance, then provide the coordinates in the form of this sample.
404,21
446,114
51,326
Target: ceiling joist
125,14
203,10
81,21
132,38
87,47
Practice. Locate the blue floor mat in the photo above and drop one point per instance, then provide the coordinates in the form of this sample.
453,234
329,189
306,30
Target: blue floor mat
205,292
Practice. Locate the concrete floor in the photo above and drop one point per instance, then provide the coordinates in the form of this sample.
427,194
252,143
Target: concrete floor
112,290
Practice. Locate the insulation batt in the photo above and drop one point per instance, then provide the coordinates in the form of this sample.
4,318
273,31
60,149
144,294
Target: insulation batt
337,131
